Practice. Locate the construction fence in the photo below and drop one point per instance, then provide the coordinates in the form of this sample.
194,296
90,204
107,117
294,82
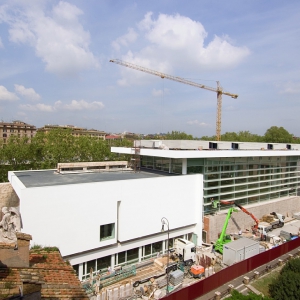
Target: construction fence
226,275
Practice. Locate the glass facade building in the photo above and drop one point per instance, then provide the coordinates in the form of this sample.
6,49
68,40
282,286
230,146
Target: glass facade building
245,180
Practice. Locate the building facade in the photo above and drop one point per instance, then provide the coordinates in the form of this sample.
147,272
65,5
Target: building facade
76,131
16,128
244,172
111,218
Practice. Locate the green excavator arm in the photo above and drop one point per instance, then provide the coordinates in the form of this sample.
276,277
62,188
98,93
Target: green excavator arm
224,239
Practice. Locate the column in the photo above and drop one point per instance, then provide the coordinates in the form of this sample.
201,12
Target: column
140,253
112,261
80,270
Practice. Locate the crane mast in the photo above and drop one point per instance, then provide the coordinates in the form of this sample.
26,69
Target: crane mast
217,90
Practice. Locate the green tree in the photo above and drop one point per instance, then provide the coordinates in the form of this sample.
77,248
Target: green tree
59,147
278,135
246,136
209,138
287,285
16,151
178,135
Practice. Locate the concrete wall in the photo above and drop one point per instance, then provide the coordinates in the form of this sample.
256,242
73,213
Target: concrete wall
70,216
8,197
239,220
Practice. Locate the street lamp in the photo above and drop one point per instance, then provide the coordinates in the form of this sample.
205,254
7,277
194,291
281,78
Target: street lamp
164,221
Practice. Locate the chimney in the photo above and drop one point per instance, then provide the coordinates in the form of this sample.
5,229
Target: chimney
16,254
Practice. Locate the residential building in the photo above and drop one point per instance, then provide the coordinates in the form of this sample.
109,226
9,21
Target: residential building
76,131
111,216
16,128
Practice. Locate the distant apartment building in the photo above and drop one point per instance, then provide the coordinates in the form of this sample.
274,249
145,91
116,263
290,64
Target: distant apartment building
17,128
76,131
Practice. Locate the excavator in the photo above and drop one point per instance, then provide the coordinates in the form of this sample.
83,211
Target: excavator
224,239
255,226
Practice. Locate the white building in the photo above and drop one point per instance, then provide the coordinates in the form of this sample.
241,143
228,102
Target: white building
108,218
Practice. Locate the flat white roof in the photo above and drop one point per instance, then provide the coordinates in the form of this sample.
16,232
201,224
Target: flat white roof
205,153
42,178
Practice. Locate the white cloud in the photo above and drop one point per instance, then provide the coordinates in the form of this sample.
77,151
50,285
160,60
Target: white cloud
178,42
125,40
58,105
80,105
290,88
37,107
28,93
159,93
5,95
58,37
197,123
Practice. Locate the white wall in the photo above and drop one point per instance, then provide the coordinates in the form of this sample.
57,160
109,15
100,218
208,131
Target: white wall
69,216
145,202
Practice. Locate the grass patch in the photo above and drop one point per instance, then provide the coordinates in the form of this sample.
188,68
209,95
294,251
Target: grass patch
262,284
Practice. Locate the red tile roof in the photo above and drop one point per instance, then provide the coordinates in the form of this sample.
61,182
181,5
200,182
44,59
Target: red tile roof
47,268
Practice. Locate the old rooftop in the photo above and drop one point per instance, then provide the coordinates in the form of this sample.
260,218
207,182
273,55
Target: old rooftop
48,275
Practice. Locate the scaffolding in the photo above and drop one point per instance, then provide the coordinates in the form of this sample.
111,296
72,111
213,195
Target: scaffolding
100,281
135,158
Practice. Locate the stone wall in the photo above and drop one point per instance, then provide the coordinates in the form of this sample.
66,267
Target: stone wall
213,224
8,197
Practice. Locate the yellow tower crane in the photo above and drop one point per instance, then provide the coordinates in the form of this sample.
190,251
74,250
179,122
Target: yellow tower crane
217,90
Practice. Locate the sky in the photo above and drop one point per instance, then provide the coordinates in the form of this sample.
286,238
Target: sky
55,64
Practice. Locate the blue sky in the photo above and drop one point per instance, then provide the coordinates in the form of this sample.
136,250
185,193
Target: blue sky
55,69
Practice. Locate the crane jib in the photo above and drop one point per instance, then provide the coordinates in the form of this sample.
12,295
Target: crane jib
218,90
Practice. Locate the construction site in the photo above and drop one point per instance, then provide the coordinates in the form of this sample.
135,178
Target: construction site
187,264
181,213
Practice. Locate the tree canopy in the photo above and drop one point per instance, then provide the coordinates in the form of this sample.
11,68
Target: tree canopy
278,135
178,135
45,150
273,135
287,285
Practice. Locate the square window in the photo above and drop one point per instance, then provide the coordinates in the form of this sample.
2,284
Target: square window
107,231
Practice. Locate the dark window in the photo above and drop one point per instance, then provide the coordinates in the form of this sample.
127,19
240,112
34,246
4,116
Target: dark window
107,231
90,264
133,254
103,262
76,268
213,145
147,249
121,257
234,146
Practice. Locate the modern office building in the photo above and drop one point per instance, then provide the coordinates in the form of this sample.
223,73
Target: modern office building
111,216
261,176
16,128
243,172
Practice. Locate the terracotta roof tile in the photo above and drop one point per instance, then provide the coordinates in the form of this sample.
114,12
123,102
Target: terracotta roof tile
57,279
